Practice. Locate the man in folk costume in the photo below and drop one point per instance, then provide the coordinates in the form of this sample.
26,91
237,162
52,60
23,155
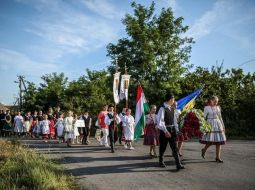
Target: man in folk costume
112,119
86,130
103,126
166,122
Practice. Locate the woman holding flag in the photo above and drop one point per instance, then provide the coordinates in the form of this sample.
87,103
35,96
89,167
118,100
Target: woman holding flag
212,114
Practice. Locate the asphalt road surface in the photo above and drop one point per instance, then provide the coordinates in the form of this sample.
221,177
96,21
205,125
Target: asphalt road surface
98,169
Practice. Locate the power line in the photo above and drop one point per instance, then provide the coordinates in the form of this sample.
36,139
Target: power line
251,60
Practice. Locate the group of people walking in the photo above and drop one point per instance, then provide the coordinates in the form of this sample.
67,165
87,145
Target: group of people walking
161,129
49,125
116,126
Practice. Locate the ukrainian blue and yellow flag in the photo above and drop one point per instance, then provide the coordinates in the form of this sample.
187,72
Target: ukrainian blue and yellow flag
188,102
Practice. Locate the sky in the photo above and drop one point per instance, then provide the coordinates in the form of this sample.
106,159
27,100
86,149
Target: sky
70,36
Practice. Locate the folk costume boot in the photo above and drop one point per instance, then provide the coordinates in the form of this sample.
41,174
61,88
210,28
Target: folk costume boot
161,162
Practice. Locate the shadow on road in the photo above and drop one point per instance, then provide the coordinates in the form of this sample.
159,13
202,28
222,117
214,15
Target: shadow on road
122,168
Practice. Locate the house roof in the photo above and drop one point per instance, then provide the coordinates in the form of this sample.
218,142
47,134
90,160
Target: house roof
2,107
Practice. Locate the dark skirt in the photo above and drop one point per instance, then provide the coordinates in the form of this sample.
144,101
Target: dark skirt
7,127
151,135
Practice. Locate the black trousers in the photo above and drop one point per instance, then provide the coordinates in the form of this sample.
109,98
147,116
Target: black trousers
163,141
84,135
113,136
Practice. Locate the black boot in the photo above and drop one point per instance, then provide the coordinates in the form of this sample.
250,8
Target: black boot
161,162
180,167
177,161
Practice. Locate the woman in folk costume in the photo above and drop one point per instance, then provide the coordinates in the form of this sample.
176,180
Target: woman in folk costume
128,127
45,126
181,135
27,123
36,128
103,126
52,128
60,128
33,120
69,128
76,131
52,122
151,132
212,114
18,124
8,125
40,119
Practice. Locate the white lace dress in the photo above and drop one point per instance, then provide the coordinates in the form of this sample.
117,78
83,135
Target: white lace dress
128,123
217,135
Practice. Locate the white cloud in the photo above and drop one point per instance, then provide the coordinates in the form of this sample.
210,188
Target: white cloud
210,20
103,8
230,18
21,64
69,30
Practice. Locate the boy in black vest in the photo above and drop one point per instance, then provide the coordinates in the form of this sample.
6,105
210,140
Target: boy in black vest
86,130
112,119
167,123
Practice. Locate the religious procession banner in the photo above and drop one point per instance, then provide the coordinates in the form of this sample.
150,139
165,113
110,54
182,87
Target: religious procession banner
116,82
124,86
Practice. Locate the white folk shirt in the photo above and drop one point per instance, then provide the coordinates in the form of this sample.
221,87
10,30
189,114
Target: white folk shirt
108,121
161,119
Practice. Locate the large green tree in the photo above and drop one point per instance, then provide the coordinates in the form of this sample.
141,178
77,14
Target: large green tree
89,92
154,51
51,91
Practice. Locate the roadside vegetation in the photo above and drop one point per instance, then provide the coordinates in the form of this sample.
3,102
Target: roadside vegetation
22,168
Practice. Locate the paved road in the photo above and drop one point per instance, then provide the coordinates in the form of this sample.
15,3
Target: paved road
98,169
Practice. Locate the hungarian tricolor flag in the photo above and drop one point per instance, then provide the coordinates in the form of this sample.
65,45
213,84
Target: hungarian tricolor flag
142,108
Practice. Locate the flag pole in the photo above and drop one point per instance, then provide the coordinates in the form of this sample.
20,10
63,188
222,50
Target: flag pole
115,109
126,74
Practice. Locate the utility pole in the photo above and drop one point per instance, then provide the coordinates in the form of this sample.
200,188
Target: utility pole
22,88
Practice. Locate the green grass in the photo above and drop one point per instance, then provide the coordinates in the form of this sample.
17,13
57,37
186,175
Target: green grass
22,168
